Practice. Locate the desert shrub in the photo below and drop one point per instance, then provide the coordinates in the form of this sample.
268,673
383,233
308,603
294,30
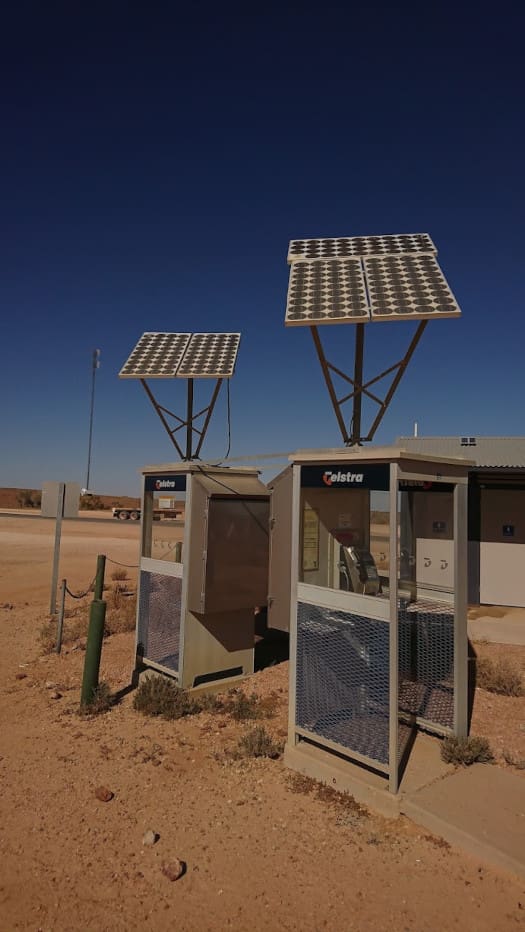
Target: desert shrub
119,574
466,751
258,743
47,636
26,498
101,702
242,707
245,708
517,762
121,613
157,695
498,676
91,503
209,703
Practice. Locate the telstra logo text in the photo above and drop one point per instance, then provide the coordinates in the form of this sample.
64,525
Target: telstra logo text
342,478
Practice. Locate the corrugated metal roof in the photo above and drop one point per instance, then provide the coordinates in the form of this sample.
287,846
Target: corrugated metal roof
489,452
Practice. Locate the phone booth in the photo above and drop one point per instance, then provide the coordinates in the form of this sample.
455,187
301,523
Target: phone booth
368,558
203,571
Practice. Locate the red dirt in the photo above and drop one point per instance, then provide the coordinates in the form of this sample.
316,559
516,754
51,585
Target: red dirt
263,849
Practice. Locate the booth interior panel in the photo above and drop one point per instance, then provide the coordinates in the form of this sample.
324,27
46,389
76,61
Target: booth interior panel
159,619
426,663
342,690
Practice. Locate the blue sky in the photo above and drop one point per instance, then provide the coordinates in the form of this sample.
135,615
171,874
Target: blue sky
155,162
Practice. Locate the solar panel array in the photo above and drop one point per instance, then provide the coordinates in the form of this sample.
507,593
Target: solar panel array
356,246
361,278
182,355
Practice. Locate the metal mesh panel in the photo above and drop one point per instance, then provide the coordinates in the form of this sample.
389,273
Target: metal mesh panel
342,679
426,662
159,619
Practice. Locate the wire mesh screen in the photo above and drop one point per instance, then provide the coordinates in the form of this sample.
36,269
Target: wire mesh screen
159,619
342,679
426,662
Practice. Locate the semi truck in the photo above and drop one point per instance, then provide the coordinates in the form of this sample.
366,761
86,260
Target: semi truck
165,508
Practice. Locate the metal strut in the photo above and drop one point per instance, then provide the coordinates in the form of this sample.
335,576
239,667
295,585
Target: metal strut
189,422
360,388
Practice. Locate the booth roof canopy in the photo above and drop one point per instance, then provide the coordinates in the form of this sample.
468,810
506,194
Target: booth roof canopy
373,454
488,452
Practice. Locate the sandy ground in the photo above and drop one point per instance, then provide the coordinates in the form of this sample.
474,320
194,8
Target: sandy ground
263,849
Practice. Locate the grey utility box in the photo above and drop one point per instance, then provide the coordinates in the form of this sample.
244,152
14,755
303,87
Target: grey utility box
203,571
368,572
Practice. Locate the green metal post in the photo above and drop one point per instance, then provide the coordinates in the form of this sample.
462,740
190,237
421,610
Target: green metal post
99,579
97,616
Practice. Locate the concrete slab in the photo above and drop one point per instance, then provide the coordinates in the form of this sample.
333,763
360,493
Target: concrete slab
480,809
367,786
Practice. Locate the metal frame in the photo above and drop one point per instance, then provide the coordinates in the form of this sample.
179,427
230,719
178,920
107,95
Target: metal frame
360,388
189,423
403,467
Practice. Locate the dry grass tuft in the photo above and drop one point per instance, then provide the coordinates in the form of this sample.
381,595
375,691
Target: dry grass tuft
258,743
101,702
119,574
121,613
499,676
466,751
513,761
158,695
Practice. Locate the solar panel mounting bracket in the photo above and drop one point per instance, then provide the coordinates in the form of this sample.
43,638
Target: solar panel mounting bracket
354,436
189,423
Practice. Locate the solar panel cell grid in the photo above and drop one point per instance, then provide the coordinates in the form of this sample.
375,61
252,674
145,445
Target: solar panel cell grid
156,356
408,287
326,291
356,246
210,355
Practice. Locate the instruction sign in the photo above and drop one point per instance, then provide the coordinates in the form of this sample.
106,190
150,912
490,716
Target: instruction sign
310,539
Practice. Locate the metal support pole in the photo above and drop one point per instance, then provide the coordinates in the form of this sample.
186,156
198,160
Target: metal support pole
329,384
159,411
189,421
460,611
60,625
358,384
56,554
99,578
393,647
95,365
399,375
97,616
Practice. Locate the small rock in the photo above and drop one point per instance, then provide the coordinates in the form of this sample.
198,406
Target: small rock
20,676
150,838
174,869
8,606
50,685
103,794
55,694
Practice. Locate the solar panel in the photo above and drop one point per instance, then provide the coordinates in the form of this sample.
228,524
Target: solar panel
326,291
156,356
210,355
408,287
349,247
